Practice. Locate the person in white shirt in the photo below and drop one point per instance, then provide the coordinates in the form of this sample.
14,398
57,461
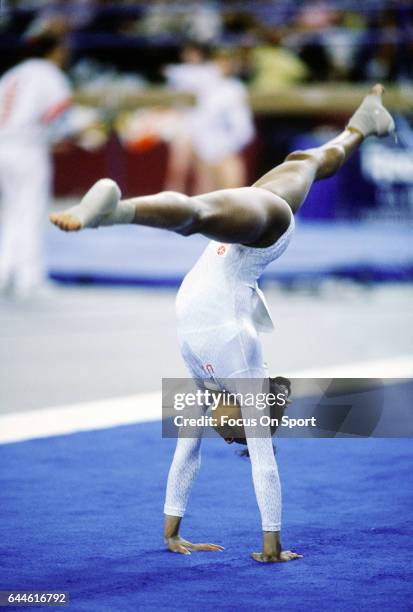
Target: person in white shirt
34,96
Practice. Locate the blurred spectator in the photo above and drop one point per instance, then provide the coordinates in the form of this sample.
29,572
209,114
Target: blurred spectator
315,56
76,13
321,40
33,95
385,52
198,20
311,23
220,125
341,41
276,66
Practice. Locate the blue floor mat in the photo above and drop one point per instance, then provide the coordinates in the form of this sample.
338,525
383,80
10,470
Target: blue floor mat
138,255
83,514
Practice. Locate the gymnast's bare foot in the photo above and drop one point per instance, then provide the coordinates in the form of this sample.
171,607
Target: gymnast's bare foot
285,555
66,222
98,203
272,550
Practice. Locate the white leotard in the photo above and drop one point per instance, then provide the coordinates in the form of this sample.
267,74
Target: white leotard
220,296
220,311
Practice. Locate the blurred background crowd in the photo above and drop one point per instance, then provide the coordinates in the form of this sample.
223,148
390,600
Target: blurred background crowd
275,43
200,95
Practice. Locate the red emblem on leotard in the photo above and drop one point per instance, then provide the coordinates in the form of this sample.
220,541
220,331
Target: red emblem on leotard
221,250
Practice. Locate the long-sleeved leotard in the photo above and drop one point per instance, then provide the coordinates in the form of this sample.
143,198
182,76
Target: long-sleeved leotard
220,310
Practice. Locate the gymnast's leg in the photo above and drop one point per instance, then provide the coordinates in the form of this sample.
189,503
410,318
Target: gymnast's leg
293,179
256,215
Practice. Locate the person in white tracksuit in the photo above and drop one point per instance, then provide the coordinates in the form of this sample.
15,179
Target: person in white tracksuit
33,97
220,309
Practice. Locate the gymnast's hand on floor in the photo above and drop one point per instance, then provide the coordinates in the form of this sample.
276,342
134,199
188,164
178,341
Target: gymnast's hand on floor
272,550
285,555
179,545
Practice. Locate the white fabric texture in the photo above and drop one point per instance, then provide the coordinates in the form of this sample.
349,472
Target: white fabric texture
24,189
219,339
221,123
101,206
372,118
32,95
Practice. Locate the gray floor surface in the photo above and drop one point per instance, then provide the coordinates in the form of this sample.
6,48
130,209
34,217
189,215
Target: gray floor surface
86,343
